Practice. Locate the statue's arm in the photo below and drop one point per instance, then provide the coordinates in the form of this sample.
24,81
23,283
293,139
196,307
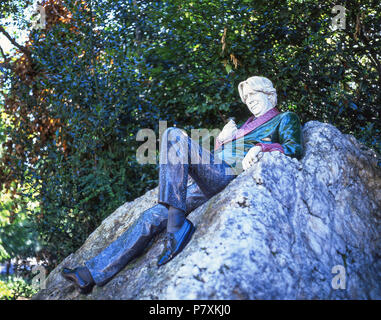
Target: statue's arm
217,143
227,133
290,135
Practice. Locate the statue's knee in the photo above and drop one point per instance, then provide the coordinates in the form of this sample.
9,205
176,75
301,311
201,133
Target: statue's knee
174,146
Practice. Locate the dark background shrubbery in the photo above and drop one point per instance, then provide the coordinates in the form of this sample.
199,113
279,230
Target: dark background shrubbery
76,94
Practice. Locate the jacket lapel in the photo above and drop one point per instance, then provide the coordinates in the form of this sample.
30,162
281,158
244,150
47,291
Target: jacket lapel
251,124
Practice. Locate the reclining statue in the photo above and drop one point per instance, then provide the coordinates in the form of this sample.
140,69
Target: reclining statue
265,131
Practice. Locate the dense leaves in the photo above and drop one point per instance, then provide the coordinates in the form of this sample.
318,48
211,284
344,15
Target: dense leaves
15,288
102,70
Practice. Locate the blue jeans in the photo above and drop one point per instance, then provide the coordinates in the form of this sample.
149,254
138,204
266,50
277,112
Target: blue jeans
210,178
180,156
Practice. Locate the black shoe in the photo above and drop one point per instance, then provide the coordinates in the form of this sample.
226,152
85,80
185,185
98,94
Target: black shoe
175,242
81,278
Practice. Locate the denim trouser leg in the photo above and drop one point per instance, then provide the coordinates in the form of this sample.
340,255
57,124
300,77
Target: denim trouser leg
136,238
180,156
154,220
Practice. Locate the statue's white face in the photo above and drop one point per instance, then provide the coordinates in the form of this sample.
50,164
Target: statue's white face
257,102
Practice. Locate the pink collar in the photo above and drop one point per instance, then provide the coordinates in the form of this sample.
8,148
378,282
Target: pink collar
251,124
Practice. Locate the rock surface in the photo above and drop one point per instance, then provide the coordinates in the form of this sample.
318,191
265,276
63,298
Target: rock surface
277,231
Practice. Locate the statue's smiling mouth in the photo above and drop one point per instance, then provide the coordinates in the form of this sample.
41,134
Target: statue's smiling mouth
254,105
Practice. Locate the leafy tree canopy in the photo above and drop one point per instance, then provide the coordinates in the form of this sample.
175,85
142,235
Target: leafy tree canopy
77,92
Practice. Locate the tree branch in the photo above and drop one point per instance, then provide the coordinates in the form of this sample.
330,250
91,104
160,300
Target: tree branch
3,53
364,43
23,49
5,64
222,116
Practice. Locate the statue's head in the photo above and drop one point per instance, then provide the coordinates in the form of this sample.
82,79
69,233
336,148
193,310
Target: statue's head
259,94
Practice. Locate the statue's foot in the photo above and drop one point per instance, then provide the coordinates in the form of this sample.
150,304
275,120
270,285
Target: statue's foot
175,242
81,277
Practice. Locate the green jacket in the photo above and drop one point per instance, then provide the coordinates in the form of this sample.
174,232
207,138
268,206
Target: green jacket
282,133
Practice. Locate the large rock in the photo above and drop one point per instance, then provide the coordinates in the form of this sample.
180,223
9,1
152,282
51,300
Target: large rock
287,237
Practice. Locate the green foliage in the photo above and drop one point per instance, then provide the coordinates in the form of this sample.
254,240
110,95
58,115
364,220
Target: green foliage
138,62
13,288
17,239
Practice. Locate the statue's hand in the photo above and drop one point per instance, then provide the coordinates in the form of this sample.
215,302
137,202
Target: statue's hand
254,154
228,131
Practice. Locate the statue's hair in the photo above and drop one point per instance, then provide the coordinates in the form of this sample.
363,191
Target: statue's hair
261,84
